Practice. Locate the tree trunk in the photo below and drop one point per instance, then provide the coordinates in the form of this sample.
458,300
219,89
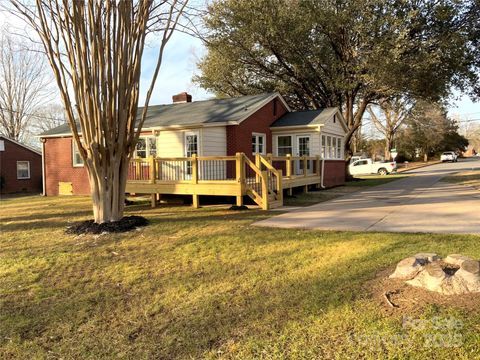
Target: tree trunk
388,146
425,156
107,185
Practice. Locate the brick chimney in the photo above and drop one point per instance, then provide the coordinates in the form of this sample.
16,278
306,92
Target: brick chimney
183,97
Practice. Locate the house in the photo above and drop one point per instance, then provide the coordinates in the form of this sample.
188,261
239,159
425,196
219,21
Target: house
20,167
261,125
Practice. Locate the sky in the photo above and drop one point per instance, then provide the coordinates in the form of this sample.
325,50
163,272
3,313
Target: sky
179,66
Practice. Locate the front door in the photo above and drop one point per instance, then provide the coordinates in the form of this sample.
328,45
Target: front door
303,149
191,147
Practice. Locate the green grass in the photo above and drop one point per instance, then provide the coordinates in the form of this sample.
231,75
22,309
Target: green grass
469,178
360,183
205,284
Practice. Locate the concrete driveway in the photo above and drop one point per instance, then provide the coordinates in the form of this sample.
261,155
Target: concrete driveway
421,203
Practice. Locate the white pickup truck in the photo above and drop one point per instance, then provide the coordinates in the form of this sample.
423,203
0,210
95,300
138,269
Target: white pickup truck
368,166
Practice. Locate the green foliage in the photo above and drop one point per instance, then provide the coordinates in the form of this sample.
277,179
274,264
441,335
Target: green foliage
430,131
338,53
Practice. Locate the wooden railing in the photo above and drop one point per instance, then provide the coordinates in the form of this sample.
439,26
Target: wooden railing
262,180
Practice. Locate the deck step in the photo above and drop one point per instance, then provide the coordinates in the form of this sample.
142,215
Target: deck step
275,204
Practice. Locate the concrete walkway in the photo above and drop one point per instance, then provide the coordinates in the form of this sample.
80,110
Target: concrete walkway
421,203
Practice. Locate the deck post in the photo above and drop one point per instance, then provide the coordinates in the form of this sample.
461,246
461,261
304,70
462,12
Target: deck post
258,164
280,185
305,162
270,159
151,168
153,200
264,190
194,169
196,201
289,165
240,177
138,165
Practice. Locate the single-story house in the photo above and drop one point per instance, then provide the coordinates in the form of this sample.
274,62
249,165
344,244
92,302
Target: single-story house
20,167
256,124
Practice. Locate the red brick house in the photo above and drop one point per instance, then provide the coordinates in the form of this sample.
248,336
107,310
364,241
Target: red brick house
253,124
20,167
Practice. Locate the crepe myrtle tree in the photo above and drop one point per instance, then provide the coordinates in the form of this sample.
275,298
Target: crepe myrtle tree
95,50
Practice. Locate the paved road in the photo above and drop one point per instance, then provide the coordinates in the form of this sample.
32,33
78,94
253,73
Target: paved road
421,203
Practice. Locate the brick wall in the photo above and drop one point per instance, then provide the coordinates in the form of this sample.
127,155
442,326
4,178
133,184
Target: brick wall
59,167
334,173
8,169
239,137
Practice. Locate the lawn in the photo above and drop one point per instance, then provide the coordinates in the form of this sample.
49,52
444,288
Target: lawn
469,178
301,198
205,284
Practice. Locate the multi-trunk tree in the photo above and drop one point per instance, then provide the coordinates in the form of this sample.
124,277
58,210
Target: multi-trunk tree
95,50
343,53
392,115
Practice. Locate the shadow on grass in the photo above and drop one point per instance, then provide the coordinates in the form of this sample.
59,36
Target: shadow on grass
257,304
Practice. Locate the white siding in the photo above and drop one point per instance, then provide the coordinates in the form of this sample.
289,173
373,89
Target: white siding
170,143
334,127
214,141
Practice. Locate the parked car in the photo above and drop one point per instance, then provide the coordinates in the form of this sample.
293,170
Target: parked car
368,166
449,156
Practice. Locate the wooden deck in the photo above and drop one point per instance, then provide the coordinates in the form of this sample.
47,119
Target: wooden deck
263,180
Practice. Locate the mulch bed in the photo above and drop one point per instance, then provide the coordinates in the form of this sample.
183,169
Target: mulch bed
127,223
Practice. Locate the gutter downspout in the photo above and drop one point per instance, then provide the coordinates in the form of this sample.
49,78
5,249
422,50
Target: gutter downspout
323,159
44,187
323,171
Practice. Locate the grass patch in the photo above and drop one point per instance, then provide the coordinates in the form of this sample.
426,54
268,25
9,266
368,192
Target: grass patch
360,183
205,284
469,178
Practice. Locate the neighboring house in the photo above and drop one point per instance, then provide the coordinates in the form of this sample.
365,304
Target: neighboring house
470,152
262,124
20,167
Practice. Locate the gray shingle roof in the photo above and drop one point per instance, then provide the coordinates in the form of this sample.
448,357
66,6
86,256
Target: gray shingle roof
304,118
197,112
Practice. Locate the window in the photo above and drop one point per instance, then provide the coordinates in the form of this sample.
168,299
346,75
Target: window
191,147
329,147
284,145
258,143
332,147
361,162
275,107
324,154
23,170
76,157
145,147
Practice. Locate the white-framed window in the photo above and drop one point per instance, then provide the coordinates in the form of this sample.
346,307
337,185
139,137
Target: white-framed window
258,143
23,170
324,143
191,147
77,160
146,146
339,148
332,147
284,145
